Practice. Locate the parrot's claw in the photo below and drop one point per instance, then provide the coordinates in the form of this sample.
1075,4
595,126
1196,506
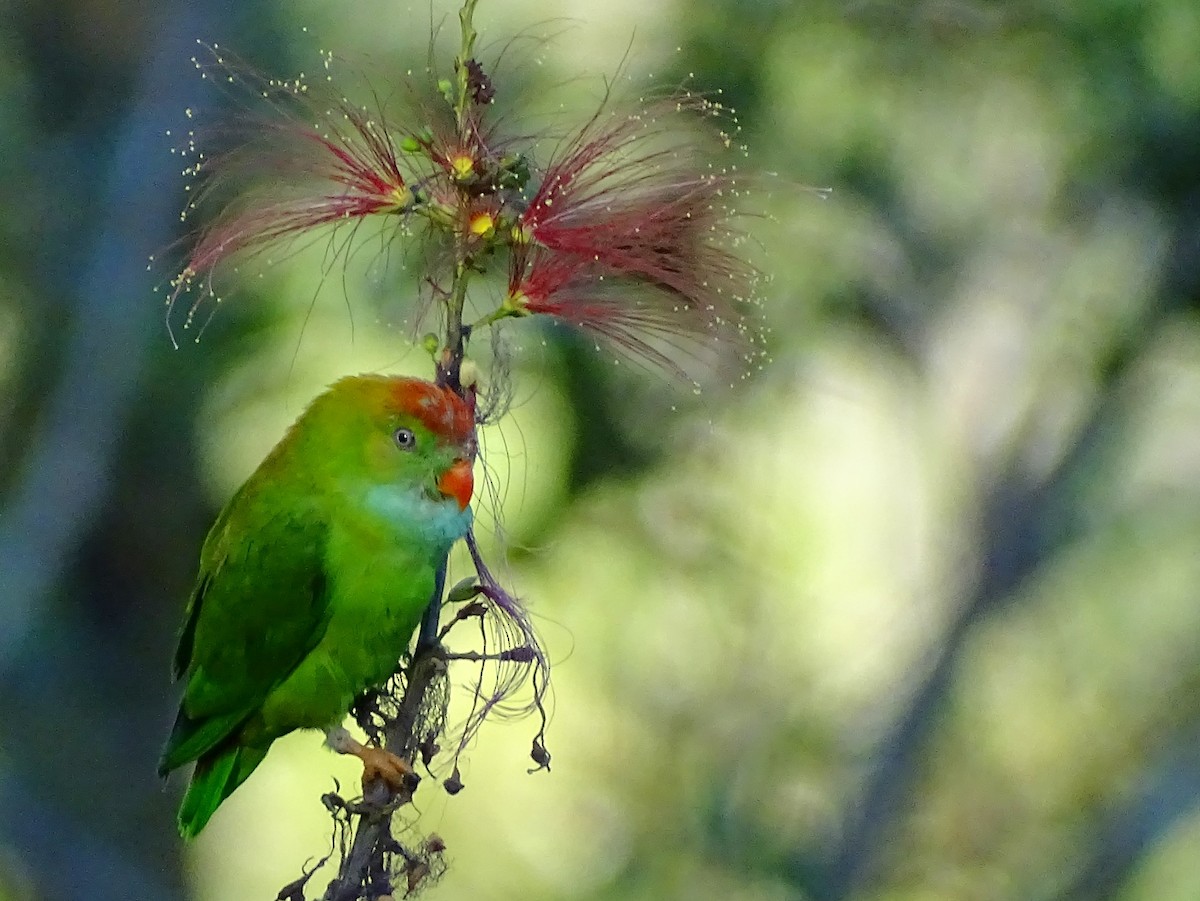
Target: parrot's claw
378,764
381,764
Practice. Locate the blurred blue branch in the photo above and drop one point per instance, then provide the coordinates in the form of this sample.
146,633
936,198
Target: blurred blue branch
1024,523
1168,791
67,477
67,466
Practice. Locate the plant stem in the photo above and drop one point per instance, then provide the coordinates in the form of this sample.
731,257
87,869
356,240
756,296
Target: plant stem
465,16
372,834
456,335
493,317
450,364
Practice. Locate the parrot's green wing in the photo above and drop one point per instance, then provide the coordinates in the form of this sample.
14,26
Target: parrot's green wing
259,607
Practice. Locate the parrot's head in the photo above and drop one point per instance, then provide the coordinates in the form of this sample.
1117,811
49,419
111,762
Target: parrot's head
398,434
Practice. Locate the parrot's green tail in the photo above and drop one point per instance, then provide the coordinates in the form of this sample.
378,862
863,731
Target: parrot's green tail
217,774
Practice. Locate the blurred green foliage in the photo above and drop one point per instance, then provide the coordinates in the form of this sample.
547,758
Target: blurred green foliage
912,617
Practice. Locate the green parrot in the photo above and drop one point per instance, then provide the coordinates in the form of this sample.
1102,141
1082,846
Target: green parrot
314,577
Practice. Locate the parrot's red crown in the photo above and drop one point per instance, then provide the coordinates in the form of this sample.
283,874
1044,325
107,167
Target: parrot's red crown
439,409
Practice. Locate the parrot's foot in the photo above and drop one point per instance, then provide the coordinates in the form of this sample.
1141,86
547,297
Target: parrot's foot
381,764
378,764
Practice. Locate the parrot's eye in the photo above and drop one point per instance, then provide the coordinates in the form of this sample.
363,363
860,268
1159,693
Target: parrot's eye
405,439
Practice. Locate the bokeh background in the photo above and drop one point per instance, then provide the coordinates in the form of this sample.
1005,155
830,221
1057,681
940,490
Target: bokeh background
914,616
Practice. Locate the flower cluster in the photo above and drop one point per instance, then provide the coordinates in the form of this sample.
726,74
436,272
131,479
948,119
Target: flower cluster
622,232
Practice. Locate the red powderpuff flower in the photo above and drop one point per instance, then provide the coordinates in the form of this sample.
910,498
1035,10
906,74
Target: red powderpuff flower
636,316
626,192
287,171
348,171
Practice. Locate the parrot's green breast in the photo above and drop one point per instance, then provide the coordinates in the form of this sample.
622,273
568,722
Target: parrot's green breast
382,558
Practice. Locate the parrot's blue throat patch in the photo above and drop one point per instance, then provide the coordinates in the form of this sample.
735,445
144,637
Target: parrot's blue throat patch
411,511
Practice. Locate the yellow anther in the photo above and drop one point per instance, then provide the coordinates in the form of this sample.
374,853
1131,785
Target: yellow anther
515,304
483,225
462,166
400,197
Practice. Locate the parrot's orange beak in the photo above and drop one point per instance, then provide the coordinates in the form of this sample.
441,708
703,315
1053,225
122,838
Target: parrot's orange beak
458,482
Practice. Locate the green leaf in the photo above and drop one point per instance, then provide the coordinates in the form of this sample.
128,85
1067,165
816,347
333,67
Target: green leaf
463,591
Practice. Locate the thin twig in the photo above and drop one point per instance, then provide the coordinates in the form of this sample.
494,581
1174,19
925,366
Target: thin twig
403,732
372,831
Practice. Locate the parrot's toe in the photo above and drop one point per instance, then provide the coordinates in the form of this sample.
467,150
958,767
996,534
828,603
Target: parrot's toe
379,764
